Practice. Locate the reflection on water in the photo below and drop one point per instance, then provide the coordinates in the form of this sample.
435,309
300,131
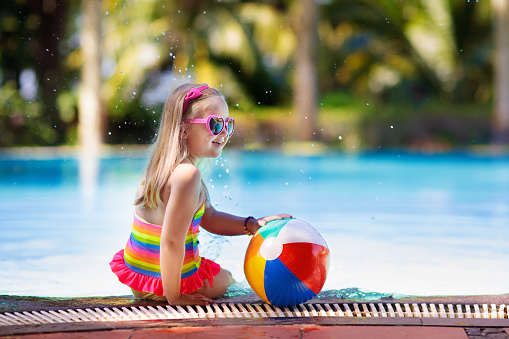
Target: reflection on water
88,175
395,223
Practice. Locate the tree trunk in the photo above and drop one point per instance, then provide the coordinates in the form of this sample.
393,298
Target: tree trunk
305,78
90,129
500,11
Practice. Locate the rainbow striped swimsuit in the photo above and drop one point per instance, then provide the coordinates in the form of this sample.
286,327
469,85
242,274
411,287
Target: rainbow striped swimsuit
141,254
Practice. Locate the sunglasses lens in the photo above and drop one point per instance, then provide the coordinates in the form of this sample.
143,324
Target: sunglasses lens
231,125
216,125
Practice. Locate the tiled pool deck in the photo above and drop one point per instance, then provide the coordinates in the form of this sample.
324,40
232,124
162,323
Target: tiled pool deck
267,327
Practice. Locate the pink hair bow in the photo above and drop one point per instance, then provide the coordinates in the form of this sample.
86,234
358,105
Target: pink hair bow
193,94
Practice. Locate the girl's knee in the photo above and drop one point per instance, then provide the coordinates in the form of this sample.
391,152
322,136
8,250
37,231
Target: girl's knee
220,285
226,279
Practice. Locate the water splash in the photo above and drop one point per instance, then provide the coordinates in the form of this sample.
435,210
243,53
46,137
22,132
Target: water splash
356,294
244,292
211,244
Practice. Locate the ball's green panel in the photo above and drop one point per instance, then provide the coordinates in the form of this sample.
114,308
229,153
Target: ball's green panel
272,228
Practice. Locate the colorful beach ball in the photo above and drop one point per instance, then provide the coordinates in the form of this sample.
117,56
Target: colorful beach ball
287,262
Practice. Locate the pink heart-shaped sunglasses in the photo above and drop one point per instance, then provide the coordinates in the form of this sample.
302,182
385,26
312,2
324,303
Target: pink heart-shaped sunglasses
215,124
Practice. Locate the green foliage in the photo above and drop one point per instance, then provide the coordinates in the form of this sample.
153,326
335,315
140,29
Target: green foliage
21,121
409,60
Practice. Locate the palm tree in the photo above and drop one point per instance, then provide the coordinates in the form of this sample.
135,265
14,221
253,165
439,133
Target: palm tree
91,110
243,47
500,12
305,80
414,38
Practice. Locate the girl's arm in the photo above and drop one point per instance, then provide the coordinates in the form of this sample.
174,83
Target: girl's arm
180,209
227,224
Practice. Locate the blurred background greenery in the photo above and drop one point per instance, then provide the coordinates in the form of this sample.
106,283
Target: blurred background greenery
348,74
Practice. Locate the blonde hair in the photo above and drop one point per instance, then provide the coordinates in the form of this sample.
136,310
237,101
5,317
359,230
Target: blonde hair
170,149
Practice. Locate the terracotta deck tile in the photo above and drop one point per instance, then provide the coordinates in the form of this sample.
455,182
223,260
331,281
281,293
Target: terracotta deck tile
220,332
384,332
341,332
116,334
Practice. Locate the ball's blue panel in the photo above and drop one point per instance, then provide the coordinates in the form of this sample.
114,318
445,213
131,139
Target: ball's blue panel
282,287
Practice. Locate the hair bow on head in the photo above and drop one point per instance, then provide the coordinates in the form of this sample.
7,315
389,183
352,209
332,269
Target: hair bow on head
193,94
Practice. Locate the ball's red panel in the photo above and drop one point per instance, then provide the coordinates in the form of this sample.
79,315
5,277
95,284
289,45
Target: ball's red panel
309,262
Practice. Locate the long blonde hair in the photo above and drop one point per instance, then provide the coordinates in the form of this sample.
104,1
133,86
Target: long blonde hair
170,148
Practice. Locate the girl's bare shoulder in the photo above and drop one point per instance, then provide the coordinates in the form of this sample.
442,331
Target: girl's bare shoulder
185,176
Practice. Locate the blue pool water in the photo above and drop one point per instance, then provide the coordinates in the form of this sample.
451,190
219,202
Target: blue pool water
395,222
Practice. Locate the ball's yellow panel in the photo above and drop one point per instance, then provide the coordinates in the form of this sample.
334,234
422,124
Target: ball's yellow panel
254,269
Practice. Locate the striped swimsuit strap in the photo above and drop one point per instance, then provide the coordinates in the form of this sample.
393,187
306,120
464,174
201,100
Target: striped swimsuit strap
192,259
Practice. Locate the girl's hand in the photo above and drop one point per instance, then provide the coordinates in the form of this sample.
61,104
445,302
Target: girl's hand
192,299
257,223
263,221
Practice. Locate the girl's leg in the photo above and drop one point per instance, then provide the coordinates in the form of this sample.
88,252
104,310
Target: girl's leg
222,281
147,295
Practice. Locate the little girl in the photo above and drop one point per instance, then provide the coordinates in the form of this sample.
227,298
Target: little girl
161,260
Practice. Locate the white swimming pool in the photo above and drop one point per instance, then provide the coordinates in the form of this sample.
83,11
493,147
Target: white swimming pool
395,223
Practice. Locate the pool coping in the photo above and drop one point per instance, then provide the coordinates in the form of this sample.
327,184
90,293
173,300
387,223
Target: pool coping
10,303
21,304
